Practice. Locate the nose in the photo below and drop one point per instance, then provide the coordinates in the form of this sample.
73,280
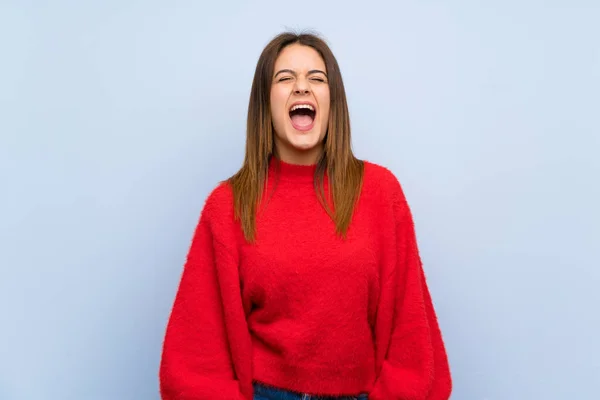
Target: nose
301,87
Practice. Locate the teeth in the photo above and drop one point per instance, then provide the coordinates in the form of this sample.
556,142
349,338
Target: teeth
298,106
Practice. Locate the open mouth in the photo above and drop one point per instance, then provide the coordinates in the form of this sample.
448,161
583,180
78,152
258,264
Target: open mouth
303,116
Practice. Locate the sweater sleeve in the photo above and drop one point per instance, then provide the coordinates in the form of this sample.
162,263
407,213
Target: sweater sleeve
416,364
196,359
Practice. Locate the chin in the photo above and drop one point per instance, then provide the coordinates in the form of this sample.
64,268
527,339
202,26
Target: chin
304,140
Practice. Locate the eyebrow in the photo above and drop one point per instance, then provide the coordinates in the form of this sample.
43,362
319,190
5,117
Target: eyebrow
312,71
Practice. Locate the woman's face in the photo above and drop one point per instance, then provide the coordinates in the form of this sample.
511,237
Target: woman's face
299,104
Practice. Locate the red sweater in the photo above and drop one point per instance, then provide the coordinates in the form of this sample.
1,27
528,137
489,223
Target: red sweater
302,309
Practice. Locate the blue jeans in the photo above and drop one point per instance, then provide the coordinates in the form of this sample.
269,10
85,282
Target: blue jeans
262,392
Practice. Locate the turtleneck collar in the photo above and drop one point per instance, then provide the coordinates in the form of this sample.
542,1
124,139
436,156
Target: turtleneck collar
291,172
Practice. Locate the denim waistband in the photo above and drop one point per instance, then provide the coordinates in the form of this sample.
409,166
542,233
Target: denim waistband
265,392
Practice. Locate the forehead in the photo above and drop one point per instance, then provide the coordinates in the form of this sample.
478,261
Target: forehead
299,58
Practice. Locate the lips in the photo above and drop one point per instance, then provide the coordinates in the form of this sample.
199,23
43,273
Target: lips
302,115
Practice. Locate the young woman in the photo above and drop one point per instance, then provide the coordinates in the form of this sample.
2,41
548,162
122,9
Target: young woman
303,279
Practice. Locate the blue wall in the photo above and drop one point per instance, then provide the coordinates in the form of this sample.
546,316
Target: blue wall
118,117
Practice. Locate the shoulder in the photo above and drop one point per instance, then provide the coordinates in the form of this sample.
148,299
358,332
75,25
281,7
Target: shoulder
218,205
382,180
218,215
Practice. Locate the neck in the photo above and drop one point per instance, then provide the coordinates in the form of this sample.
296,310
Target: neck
291,155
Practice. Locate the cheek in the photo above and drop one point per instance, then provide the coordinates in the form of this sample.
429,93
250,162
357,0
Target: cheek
324,101
278,112
326,112
278,100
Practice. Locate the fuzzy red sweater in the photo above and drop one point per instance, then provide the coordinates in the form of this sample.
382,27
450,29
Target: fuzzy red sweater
302,309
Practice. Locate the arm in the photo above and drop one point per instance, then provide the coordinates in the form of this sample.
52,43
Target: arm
416,365
196,361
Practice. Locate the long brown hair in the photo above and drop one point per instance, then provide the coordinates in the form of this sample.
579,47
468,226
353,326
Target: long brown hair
344,170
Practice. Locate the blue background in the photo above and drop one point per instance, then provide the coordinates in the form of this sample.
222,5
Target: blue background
118,117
